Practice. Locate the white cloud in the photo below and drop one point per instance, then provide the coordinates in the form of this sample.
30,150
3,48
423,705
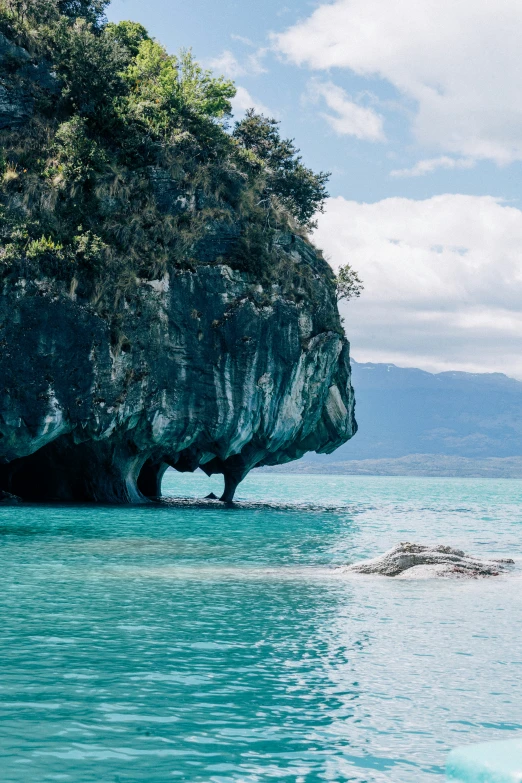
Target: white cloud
443,280
243,101
349,119
228,64
242,39
458,61
430,165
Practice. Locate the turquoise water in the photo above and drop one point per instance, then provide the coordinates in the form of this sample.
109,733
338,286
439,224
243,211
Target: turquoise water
220,645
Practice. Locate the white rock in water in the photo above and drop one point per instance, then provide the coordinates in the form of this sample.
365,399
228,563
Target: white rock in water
416,561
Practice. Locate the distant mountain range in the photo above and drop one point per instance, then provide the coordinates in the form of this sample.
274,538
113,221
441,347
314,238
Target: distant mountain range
434,465
413,422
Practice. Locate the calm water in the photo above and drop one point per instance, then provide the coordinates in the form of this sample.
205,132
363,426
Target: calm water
215,645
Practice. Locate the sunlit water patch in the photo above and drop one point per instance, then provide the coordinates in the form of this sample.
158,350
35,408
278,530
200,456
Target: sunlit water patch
203,643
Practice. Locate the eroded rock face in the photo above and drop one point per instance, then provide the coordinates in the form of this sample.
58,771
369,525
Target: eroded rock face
407,560
210,370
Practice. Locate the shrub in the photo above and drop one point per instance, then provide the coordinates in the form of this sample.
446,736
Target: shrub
91,10
89,66
129,35
77,156
300,190
37,248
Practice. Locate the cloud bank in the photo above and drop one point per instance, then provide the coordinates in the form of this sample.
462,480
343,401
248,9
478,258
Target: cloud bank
348,118
443,280
457,63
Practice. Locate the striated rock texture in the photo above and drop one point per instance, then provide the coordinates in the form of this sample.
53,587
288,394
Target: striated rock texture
210,370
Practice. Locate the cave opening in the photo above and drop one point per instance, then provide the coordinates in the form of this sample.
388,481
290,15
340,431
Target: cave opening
66,471
150,478
35,477
96,471
195,484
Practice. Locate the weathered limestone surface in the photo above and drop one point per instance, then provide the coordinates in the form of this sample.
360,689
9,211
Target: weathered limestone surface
210,370
410,561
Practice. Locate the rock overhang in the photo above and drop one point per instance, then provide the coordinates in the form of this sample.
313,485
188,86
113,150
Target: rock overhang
212,370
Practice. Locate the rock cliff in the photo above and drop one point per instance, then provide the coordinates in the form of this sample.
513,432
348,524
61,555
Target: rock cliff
159,302
212,370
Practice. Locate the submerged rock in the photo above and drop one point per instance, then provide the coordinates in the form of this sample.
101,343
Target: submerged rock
212,370
7,499
407,560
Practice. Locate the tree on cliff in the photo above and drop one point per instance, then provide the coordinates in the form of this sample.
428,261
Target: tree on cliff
349,284
301,191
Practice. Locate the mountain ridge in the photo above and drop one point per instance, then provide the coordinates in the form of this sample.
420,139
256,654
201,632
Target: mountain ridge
406,412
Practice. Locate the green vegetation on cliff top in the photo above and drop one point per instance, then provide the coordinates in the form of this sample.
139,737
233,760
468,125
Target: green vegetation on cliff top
122,159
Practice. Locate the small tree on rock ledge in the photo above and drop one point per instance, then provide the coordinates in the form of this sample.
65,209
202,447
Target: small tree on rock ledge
349,284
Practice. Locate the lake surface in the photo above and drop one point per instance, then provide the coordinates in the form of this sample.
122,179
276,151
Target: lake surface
222,646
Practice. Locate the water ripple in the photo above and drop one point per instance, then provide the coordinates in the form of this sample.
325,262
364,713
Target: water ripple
222,645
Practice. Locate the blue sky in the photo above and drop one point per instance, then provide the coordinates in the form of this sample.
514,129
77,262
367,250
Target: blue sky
415,106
